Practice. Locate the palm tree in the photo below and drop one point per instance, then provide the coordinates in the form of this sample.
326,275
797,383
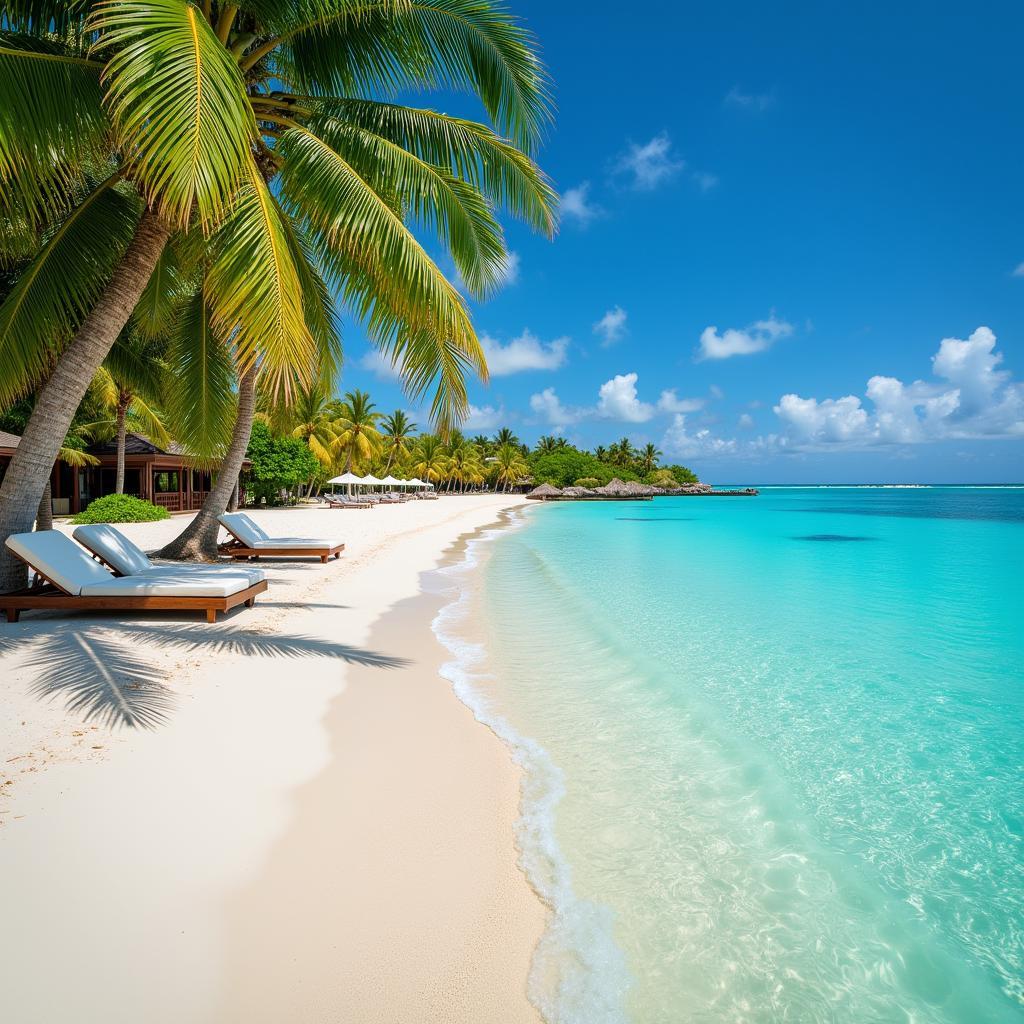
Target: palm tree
510,466
622,452
483,442
505,436
649,457
356,425
129,385
428,458
548,444
601,453
257,135
464,464
397,432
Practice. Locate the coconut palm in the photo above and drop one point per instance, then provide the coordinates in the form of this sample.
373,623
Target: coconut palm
509,465
397,432
265,137
129,385
505,436
359,440
649,457
464,464
428,459
601,453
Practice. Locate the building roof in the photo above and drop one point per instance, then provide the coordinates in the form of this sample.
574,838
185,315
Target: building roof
135,444
8,440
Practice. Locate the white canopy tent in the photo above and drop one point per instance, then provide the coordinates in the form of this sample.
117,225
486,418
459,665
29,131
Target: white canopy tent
347,478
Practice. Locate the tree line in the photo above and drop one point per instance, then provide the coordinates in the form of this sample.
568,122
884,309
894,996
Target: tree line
299,448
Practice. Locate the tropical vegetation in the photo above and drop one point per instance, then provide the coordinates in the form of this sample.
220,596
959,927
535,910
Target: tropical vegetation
285,469
217,175
120,508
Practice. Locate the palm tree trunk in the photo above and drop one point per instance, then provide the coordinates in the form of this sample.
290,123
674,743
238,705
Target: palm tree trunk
233,500
122,412
63,392
198,541
44,517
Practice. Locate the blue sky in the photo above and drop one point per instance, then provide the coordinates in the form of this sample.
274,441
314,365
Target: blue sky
788,244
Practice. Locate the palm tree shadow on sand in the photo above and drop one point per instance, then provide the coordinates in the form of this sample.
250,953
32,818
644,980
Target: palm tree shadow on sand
104,676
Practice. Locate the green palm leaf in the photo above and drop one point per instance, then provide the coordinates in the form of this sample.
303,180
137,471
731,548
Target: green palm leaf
51,122
58,288
200,398
167,288
354,221
432,194
255,292
364,48
507,176
178,101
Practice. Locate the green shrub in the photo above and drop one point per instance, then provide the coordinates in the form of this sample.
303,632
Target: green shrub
587,481
120,508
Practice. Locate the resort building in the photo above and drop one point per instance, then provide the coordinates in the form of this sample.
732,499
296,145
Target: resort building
166,477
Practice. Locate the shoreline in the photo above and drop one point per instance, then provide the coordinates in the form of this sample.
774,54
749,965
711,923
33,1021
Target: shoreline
136,853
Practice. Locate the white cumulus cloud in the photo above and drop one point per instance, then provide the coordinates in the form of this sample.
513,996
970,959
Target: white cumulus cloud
483,417
679,442
1018,271
617,400
734,341
548,406
650,164
379,365
969,398
612,326
527,352
577,206
671,402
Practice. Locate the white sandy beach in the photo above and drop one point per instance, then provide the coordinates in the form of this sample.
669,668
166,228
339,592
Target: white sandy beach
287,815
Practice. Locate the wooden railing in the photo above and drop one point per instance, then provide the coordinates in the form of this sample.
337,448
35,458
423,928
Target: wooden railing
171,500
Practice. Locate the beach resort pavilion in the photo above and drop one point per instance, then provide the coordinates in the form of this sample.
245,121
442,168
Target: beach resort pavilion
166,477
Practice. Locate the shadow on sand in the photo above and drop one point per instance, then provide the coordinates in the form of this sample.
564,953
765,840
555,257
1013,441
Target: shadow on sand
103,674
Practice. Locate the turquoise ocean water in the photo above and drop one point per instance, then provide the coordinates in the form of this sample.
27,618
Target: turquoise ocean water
774,750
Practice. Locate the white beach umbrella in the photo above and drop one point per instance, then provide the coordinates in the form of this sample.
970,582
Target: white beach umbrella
392,482
347,478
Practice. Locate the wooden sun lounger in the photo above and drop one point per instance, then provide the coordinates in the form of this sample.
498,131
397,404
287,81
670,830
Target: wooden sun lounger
45,594
349,504
239,547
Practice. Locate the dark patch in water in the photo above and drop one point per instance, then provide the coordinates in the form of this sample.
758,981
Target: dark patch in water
652,519
840,537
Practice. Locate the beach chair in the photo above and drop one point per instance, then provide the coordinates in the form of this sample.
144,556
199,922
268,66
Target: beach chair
348,503
123,557
249,540
68,579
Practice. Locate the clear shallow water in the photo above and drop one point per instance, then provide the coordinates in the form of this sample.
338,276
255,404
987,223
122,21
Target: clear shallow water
774,751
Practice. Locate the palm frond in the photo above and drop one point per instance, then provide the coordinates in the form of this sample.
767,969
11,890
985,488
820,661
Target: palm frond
355,224
255,292
430,193
166,289
145,419
506,175
200,400
58,288
364,49
51,123
178,101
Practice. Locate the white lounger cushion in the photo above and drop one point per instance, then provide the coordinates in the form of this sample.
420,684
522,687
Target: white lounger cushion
253,536
59,559
114,548
148,585
129,559
248,532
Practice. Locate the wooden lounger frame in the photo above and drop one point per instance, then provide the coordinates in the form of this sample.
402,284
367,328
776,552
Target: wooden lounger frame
237,548
46,594
348,504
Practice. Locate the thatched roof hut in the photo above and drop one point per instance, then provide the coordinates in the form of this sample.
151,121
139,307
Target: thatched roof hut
545,493
578,492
